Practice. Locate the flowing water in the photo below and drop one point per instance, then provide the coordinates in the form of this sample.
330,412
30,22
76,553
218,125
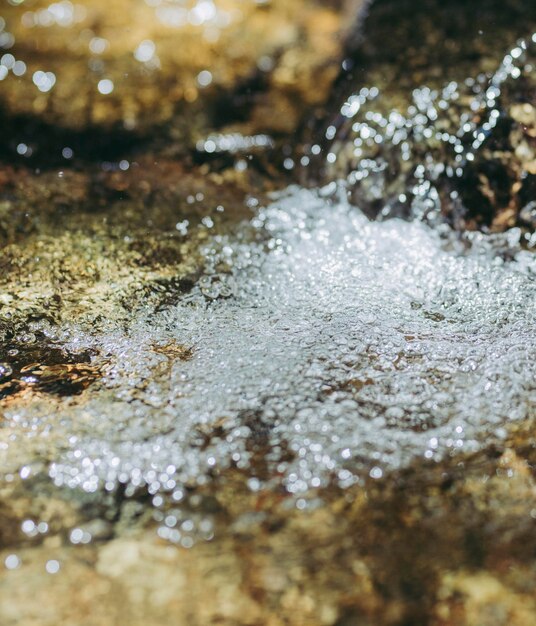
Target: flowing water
340,347
346,346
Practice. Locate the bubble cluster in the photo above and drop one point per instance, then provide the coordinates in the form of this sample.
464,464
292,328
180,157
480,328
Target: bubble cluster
233,143
340,348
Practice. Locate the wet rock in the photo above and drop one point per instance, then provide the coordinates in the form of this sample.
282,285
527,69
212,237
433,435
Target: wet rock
499,180
10,524
355,559
136,65
71,232
468,599
30,361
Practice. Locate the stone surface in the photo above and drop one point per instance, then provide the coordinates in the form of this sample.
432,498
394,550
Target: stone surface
448,543
137,64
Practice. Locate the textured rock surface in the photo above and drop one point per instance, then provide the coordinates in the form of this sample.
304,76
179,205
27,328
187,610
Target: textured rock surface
136,64
444,544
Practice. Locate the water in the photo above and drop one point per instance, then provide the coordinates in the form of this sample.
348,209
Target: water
339,347
434,159
317,347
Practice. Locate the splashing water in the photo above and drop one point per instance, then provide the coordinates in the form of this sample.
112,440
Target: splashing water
342,347
406,162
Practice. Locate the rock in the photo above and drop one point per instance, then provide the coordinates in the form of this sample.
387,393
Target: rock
137,65
481,599
121,223
353,560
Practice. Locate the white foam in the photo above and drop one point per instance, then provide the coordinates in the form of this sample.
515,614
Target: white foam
356,345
